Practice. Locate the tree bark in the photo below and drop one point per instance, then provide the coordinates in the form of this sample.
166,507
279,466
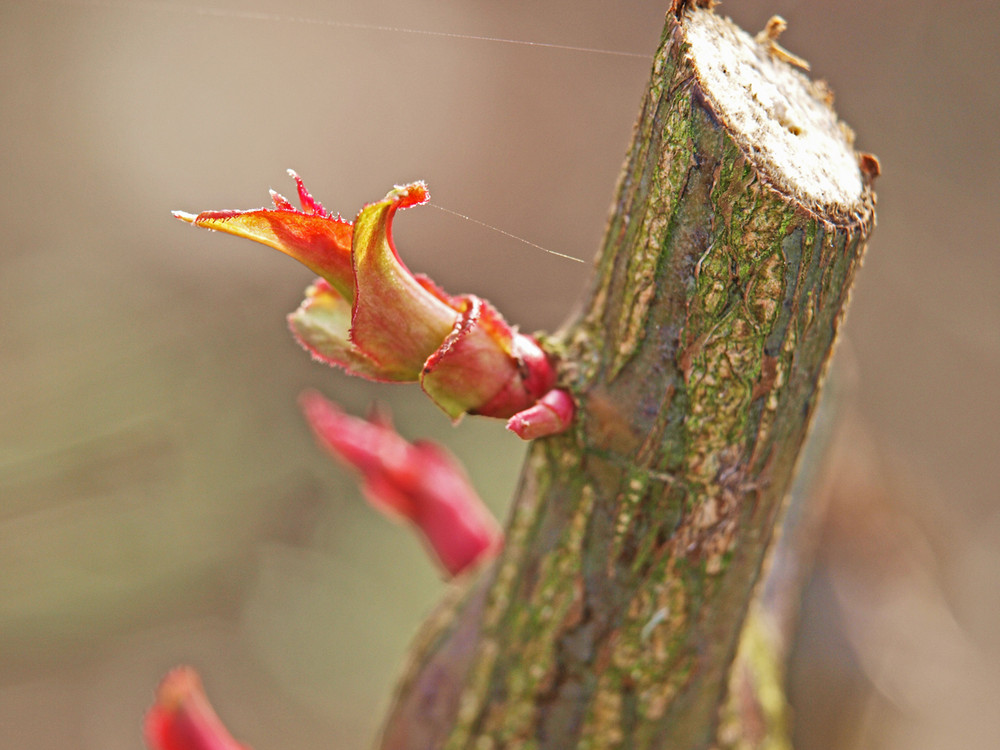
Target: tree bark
613,615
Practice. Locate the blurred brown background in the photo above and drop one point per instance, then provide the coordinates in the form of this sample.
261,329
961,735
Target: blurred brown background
160,498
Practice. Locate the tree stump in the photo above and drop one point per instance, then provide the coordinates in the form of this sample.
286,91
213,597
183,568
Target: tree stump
612,617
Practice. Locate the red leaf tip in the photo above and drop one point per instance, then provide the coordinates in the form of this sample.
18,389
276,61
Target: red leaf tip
309,204
413,194
183,719
184,216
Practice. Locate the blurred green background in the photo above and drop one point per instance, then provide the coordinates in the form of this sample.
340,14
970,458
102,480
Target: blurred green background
160,498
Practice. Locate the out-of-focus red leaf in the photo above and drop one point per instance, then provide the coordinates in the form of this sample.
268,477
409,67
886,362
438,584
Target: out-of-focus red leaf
419,482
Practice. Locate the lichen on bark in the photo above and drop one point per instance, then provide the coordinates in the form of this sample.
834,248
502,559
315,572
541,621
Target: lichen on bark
612,618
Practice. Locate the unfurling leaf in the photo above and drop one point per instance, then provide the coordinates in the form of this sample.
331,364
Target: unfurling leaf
368,314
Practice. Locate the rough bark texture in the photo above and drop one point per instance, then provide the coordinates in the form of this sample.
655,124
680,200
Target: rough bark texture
613,616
